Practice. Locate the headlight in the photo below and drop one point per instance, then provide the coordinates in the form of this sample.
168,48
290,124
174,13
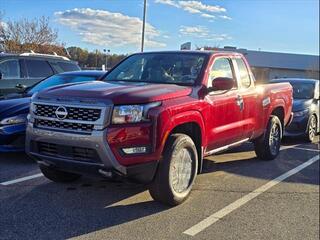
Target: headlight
22,118
300,113
132,113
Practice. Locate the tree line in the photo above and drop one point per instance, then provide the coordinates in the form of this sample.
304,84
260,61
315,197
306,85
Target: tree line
25,35
93,59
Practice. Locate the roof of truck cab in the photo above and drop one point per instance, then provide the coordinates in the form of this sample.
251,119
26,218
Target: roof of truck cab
203,52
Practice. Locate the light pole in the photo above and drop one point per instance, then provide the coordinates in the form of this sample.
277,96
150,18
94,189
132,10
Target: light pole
106,53
143,23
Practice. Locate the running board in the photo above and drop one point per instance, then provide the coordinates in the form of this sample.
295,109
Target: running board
221,149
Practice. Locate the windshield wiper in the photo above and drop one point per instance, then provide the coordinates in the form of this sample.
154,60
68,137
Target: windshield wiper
140,81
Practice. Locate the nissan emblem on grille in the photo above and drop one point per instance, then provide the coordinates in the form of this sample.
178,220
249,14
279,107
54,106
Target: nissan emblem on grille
61,112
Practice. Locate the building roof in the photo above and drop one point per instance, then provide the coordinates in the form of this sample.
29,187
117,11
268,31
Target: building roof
278,60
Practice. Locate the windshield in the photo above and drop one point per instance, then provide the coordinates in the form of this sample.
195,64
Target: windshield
58,80
302,90
159,68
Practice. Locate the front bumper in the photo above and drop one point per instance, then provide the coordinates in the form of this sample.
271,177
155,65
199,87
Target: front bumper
68,152
12,138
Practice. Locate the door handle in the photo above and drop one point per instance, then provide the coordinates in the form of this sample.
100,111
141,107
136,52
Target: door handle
240,102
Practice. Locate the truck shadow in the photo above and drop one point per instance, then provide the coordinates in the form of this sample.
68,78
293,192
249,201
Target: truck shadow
243,161
65,211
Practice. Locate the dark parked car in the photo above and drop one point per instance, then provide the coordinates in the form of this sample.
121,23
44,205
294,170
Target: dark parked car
23,70
15,107
305,108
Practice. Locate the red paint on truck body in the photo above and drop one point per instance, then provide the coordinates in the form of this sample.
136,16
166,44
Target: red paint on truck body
219,118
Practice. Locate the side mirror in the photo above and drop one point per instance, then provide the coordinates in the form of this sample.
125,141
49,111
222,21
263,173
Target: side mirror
222,84
21,86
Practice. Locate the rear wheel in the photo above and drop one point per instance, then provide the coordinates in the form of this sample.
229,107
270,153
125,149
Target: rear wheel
312,128
177,171
267,147
57,175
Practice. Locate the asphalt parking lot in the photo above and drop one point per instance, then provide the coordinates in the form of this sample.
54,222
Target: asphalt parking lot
237,197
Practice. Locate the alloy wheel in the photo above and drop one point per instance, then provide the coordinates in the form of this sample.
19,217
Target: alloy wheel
274,139
181,171
312,128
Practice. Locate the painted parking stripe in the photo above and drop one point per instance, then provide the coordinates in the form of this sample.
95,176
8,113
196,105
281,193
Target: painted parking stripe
307,149
238,203
21,179
288,147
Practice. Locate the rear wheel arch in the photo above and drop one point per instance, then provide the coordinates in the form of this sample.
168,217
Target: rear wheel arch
279,112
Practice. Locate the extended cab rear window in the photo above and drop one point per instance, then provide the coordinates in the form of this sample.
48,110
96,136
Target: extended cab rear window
244,73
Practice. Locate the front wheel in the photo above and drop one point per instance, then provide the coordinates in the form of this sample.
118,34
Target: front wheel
177,171
267,147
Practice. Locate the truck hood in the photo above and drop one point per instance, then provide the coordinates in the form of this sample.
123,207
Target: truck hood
117,92
12,107
301,104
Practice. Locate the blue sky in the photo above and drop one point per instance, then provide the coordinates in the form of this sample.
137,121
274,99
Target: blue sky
270,25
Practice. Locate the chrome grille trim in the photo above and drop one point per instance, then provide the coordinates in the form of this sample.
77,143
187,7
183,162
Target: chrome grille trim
74,113
99,116
68,126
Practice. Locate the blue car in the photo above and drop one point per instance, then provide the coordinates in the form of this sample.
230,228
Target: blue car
306,104
15,107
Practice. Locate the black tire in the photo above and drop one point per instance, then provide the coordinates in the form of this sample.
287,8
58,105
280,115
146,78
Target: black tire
57,175
267,146
165,187
312,128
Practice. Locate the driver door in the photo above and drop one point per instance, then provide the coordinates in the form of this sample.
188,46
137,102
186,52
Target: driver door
225,108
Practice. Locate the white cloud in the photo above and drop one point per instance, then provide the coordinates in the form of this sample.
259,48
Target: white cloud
225,17
201,7
167,2
205,15
191,10
202,33
104,28
196,7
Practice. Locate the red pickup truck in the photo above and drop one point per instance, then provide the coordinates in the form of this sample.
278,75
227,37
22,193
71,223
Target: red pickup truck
154,119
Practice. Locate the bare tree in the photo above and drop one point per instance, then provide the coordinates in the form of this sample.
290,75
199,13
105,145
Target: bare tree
1,31
25,35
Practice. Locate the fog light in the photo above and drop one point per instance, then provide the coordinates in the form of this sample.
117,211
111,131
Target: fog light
134,150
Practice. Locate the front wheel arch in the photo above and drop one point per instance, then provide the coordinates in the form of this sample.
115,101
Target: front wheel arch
193,130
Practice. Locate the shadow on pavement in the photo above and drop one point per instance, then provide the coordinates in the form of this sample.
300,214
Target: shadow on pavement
243,161
65,211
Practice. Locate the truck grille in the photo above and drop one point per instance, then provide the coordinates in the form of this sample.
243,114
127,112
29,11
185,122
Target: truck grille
64,125
74,113
70,152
